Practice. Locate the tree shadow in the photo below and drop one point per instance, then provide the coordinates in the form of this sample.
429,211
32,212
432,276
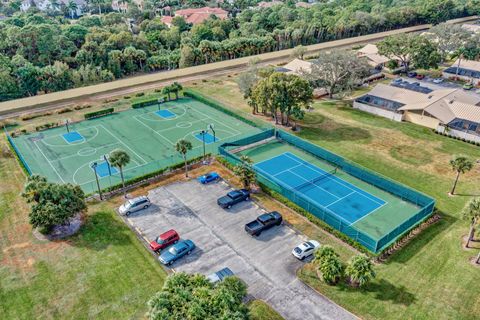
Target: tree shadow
386,291
421,240
102,230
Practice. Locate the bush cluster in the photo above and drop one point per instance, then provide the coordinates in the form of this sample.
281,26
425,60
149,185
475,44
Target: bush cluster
99,113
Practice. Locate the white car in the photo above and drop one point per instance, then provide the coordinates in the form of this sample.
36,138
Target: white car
134,205
437,80
305,249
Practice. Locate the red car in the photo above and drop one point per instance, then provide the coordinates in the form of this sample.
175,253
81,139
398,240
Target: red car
164,240
420,76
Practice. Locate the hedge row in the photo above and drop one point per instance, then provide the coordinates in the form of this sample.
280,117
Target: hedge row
145,103
154,174
477,143
214,104
99,113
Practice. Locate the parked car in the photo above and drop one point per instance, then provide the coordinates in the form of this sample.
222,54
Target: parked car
305,249
233,197
467,86
420,76
164,240
220,275
134,205
411,74
438,80
209,177
175,252
263,222
397,80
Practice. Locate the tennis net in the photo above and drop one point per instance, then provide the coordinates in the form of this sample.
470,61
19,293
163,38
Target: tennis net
312,182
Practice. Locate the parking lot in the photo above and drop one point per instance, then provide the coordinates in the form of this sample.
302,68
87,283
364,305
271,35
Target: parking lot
265,263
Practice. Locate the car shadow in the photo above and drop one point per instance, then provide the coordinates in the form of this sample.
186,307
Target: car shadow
270,234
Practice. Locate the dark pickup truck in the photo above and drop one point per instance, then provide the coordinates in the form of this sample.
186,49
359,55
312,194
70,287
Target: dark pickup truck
263,222
233,197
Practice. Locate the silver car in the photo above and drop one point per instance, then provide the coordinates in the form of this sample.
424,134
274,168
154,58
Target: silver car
134,205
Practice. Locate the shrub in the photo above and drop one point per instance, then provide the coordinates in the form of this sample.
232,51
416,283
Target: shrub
126,97
360,271
99,113
65,110
332,269
140,94
145,103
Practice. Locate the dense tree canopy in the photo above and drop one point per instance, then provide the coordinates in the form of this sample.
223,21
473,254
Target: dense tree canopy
185,296
36,47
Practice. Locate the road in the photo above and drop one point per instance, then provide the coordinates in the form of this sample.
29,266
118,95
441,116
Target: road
264,263
139,83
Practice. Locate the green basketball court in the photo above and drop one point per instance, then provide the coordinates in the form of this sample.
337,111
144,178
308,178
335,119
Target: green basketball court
148,135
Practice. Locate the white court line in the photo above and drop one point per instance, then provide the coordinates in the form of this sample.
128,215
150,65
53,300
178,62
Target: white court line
148,127
120,140
77,155
340,199
283,171
316,186
221,123
163,119
35,142
70,144
172,128
101,178
368,213
338,182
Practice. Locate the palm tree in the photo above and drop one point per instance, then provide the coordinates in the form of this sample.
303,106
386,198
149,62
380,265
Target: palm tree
332,269
460,164
182,147
167,90
360,270
72,7
245,172
176,88
119,158
471,213
324,252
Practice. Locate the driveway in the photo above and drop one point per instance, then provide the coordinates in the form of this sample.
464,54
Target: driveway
264,263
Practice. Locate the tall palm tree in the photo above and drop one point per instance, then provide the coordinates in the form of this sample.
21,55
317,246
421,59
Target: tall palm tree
460,164
360,270
72,8
167,90
176,88
182,147
119,158
471,213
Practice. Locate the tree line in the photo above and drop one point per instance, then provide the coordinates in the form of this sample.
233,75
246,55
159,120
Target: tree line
41,52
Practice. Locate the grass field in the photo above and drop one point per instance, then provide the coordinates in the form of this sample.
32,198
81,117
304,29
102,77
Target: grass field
102,273
431,278
148,134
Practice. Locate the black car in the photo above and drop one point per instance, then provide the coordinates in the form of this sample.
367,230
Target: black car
233,197
263,222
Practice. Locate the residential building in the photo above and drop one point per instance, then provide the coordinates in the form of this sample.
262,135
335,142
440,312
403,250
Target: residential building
466,70
296,66
197,15
269,4
376,60
447,110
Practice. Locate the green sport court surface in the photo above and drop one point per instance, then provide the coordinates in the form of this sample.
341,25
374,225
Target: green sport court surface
357,204
148,135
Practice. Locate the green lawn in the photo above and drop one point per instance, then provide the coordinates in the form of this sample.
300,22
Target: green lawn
259,310
101,273
431,278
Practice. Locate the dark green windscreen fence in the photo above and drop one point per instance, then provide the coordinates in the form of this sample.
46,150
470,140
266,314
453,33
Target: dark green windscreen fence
375,245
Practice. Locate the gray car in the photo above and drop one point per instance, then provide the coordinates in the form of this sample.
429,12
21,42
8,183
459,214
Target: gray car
134,205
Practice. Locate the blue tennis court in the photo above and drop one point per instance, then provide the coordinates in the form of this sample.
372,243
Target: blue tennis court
340,197
72,137
105,170
207,136
166,114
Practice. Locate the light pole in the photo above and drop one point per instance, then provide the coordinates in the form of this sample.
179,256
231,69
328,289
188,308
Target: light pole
203,140
94,167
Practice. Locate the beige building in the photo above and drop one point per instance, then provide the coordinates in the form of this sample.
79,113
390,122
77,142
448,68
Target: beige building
376,60
466,70
450,110
197,15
